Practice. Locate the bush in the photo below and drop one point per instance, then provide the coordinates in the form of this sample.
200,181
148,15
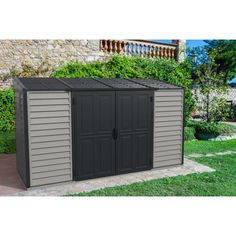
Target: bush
192,123
134,67
189,133
7,142
212,128
208,128
7,111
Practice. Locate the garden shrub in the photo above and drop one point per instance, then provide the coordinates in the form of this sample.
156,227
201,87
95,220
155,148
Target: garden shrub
193,123
212,128
7,142
208,128
7,111
189,133
133,67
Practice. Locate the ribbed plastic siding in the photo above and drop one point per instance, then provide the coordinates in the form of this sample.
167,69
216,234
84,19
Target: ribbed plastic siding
168,125
49,125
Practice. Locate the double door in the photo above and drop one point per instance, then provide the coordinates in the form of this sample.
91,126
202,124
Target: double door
112,132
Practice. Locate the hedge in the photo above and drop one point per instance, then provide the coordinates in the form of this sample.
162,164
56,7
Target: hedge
7,111
189,133
7,142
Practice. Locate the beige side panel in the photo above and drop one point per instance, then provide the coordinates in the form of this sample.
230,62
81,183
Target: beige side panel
49,124
168,125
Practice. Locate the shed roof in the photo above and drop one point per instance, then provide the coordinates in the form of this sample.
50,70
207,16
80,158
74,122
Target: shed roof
81,84
42,84
122,84
93,84
155,83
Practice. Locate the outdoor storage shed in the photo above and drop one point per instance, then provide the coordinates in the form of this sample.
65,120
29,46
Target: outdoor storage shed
74,129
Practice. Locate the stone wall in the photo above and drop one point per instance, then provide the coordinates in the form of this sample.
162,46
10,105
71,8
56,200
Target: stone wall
14,53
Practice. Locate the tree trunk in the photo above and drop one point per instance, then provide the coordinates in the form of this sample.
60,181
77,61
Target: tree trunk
207,108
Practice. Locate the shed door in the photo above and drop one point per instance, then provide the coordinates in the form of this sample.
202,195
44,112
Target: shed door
93,122
134,125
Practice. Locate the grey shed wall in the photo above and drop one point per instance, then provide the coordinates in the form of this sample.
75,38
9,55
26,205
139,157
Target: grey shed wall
49,125
168,127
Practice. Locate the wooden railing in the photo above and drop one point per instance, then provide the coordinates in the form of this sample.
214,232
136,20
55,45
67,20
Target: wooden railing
140,48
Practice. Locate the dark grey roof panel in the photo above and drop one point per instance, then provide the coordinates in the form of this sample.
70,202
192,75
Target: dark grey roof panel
86,83
155,84
42,84
45,84
121,84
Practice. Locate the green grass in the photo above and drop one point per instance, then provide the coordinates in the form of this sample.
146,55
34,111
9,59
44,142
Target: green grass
222,182
205,147
7,142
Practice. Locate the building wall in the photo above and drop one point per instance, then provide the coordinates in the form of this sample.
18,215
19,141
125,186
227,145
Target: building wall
14,53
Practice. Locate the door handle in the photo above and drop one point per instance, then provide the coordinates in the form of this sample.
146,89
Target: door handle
115,133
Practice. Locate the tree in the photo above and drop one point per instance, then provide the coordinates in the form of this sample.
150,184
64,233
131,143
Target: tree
225,57
211,83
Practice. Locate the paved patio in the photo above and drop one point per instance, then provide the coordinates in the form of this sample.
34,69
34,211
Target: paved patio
10,183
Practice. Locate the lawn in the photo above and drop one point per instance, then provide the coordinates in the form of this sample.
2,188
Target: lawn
204,147
222,182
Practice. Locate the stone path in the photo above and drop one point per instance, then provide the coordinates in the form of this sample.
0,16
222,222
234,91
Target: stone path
212,154
189,167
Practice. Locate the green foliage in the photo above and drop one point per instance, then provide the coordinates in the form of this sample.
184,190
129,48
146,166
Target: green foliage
212,128
134,67
7,112
206,128
7,142
189,133
226,56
